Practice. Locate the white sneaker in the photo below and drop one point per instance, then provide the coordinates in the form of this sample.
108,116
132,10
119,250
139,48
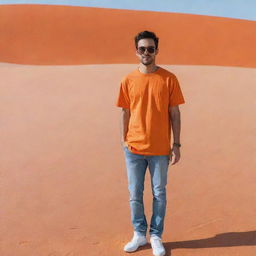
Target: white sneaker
137,240
157,246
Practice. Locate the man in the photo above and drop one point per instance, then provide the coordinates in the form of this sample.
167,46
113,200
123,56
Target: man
149,97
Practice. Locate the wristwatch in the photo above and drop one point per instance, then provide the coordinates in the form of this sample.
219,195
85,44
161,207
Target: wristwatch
177,144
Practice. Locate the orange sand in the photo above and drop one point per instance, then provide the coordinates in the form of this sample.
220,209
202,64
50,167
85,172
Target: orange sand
63,179
58,35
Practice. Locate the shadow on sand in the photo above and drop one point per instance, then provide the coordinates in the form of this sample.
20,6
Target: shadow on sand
221,240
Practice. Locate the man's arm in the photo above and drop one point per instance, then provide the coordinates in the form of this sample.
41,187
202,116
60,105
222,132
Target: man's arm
125,118
174,114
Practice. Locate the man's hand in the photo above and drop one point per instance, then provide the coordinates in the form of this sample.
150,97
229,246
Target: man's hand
174,156
123,144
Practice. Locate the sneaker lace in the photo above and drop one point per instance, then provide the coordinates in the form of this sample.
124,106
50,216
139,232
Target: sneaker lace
135,239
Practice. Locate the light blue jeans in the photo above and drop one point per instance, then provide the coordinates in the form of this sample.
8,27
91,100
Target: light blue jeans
136,166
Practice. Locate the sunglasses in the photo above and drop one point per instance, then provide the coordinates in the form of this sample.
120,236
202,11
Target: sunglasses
150,49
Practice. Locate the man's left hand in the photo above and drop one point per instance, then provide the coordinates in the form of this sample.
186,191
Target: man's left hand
174,156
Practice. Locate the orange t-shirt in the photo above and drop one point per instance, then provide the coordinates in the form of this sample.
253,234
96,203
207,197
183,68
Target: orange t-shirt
148,97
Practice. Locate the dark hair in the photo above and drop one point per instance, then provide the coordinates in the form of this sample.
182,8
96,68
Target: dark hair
146,34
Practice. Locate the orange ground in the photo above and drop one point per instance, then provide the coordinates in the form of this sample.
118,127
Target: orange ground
63,177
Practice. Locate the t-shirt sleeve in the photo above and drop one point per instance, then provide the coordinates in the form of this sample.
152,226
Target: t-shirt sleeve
123,97
175,93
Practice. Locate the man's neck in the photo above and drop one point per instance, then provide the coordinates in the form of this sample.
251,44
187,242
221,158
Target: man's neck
148,68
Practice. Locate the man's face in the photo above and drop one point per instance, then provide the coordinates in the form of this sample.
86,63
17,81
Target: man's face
146,56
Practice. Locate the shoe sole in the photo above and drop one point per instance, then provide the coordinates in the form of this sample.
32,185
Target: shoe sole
137,247
162,254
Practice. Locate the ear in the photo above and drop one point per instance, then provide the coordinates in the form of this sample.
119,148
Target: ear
156,51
